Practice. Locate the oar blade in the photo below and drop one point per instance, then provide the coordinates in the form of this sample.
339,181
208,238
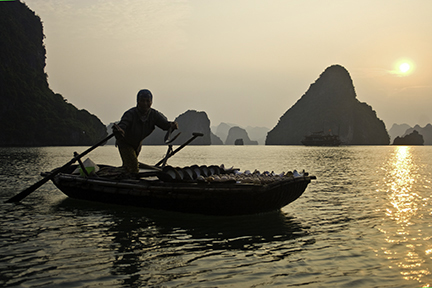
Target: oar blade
27,191
32,188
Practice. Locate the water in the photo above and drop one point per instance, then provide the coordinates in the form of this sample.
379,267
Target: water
365,222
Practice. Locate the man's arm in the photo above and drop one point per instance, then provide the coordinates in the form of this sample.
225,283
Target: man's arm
119,129
163,123
118,132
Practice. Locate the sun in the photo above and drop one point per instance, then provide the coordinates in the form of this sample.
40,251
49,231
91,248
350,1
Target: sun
404,67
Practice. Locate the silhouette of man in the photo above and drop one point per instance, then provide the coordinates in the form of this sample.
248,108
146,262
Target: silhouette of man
135,125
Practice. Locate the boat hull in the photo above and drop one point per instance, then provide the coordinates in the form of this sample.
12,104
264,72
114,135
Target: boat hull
190,197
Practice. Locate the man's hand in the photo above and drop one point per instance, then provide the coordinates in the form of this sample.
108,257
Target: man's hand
174,125
167,138
118,132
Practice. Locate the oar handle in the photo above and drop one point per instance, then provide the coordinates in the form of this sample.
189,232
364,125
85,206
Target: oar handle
32,188
170,154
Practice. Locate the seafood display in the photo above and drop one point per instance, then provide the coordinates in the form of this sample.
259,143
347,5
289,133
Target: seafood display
216,173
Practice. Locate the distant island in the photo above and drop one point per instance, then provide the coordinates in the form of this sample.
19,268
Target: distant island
239,136
189,122
250,135
330,104
414,138
197,121
33,115
403,130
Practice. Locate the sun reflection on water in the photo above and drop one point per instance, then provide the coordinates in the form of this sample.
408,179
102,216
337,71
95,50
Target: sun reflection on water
406,246
401,194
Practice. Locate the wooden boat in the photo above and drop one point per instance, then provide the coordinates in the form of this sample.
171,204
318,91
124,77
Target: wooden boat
211,190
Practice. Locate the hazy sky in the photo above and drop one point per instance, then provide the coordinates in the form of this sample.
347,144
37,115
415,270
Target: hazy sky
243,62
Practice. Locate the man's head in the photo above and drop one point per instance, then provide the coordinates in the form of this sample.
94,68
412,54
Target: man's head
144,100
144,94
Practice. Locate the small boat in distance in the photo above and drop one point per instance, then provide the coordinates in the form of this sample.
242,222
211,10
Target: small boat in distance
321,139
239,142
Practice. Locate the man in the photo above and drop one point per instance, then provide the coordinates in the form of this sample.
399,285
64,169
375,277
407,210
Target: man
135,125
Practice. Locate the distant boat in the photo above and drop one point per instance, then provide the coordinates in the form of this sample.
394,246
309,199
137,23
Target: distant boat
239,142
321,139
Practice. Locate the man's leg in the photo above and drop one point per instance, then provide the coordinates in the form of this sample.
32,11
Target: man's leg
129,158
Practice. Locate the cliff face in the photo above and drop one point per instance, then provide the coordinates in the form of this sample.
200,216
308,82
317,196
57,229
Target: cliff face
31,114
330,105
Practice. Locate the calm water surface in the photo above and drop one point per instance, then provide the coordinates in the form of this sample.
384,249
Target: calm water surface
365,222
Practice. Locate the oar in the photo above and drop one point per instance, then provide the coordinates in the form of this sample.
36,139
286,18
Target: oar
50,176
171,153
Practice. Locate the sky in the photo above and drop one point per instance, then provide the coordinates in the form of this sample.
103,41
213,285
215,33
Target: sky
244,62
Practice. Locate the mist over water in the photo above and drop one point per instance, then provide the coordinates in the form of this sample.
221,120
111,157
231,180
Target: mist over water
365,222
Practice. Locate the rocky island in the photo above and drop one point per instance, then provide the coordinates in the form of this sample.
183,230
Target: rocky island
189,122
30,112
414,138
330,105
239,135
